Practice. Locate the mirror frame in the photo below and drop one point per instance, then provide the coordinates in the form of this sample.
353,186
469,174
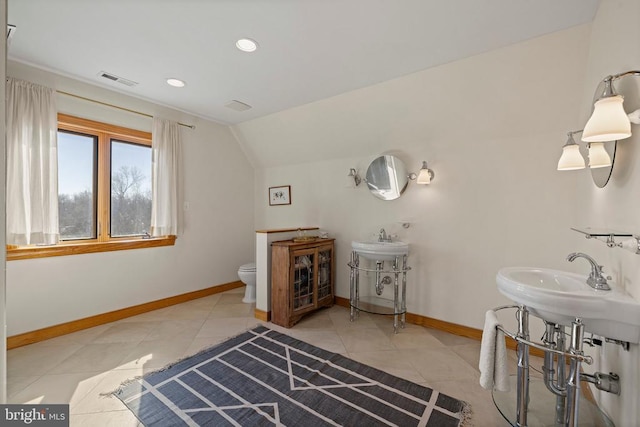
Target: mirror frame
387,177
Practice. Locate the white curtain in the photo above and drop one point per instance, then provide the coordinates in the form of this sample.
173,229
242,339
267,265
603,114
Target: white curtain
32,164
166,153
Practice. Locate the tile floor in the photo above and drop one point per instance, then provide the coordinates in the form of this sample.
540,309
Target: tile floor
78,368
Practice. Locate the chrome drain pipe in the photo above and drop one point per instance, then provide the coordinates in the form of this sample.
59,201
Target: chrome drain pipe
573,383
556,384
523,367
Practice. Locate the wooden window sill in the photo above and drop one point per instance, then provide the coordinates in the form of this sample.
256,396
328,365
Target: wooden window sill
77,248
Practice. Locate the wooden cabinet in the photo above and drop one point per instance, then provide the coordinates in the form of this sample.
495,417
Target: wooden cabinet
302,279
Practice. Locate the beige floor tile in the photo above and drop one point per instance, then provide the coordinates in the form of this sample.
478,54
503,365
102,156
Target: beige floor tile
17,384
442,364
175,329
230,299
199,344
328,340
205,303
318,320
232,310
469,352
342,320
410,338
359,340
155,354
37,359
62,388
94,357
450,339
228,327
181,312
125,332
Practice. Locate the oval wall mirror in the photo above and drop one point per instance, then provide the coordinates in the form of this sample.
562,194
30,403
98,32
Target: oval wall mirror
387,177
601,176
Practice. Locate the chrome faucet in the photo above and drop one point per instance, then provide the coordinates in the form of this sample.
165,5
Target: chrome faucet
383,236
596,279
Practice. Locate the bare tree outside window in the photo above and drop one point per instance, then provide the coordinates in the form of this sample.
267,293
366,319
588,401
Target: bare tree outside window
130,189
76,186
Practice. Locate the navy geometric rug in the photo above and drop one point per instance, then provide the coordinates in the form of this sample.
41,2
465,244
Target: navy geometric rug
265,378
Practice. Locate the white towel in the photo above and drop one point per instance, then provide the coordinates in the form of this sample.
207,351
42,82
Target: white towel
494,373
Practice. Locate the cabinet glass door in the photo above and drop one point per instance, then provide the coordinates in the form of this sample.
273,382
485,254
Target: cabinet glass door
324,273
303,280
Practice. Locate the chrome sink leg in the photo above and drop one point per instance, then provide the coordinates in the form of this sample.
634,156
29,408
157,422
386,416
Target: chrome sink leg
396,301
354,286
523,368
573,383
561,401
403,302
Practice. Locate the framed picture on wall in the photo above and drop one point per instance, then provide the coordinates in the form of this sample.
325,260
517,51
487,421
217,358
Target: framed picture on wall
280,195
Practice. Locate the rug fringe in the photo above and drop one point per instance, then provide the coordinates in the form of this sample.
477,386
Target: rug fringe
465,415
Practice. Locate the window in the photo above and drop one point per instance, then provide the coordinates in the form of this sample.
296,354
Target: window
77,155
104,190
130,189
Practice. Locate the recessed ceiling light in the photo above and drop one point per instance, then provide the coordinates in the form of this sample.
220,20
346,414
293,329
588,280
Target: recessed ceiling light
247,45
175,82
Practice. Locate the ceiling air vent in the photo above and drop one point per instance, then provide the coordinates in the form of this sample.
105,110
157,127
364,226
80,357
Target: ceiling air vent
118,79
237,105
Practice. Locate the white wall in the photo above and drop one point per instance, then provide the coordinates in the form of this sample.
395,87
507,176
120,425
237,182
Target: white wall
218,227
491,127
614,49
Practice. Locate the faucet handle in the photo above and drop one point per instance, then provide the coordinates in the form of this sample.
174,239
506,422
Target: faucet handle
602,271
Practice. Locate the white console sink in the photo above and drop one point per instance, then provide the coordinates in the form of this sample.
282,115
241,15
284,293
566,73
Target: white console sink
560,297
380,251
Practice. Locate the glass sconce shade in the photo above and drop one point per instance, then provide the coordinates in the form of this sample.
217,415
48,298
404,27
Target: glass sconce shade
598,156
571,159
608,122
425,175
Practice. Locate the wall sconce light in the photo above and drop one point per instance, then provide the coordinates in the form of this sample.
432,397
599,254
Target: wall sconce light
609,121
571,158
608,124
354,174
424,175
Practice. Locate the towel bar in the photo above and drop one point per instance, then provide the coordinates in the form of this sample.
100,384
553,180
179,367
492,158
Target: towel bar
586,359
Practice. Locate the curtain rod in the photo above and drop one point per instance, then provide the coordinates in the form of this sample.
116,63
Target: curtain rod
116,106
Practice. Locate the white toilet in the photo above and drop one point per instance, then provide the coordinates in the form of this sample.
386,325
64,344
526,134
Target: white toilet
247,274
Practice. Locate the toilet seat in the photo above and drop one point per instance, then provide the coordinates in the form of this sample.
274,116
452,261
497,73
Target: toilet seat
248,267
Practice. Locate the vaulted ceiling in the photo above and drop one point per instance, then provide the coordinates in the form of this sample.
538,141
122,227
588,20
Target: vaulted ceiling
308,49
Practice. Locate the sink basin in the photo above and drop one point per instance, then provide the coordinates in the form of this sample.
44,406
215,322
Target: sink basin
380,251
560,297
